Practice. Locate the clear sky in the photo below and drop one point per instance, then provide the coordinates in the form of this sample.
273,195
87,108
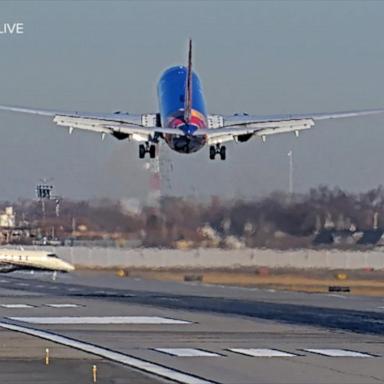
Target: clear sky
251,56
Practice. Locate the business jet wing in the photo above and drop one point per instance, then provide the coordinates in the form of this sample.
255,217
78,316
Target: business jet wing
8,267
139,127
242,127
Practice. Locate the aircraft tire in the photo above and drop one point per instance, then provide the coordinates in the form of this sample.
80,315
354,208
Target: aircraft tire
152,151
223,153
212,152
142,151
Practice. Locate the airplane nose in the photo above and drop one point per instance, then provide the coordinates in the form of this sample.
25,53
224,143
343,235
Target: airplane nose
68,267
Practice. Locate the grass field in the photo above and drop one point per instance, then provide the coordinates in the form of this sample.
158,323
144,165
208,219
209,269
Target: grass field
369,283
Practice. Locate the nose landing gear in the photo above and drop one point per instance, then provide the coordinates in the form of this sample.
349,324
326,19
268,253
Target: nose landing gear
217,150
146,148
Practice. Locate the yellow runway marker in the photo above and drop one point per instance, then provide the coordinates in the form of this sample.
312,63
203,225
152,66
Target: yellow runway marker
94,373
46,356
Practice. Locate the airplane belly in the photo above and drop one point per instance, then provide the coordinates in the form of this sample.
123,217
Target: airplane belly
185,144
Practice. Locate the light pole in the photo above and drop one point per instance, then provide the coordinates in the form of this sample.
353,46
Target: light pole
290,174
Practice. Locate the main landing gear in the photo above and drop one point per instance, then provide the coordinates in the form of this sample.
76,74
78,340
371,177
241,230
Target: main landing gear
146,148
217,150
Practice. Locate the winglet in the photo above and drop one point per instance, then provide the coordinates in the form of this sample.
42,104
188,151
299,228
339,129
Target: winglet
188,87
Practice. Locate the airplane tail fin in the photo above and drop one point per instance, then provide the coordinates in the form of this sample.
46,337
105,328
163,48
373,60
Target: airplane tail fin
188,87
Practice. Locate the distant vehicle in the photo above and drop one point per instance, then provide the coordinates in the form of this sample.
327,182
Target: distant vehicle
31,260
183,122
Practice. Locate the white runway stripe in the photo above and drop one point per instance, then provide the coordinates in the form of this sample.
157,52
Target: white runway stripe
261,352
336,295
133,362
100,320
64,305
187,352
338,353
16,306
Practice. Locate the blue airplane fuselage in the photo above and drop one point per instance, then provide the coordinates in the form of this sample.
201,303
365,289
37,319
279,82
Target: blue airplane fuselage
171,94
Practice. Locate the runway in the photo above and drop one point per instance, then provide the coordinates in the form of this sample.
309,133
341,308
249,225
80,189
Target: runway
189,333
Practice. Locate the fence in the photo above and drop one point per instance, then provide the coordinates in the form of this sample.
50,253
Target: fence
216,258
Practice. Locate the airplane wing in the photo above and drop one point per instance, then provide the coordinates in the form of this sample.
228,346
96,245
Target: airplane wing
7,267
242,127
139,127
143,127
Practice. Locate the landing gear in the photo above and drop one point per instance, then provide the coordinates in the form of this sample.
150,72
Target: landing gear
223,153
212,152
142,151
146,148
152,151
217,150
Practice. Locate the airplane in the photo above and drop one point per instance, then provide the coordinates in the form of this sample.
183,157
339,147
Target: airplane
31,260
183,122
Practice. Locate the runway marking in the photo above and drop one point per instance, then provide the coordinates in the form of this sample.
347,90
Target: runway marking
134,362
16,306
4,281
261,352
338,353
187,352
22,284
100,320
336,295
64,305
40,286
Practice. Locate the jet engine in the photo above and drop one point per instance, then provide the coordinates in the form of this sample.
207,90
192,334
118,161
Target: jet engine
244,138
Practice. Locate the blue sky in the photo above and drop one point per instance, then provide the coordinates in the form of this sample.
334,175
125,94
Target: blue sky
251,56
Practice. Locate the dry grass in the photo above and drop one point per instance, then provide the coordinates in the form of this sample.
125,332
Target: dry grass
318,281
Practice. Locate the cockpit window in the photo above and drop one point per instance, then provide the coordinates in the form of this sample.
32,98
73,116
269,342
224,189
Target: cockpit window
52,255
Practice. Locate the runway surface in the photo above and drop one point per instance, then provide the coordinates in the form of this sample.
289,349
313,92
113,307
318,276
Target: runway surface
189,333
